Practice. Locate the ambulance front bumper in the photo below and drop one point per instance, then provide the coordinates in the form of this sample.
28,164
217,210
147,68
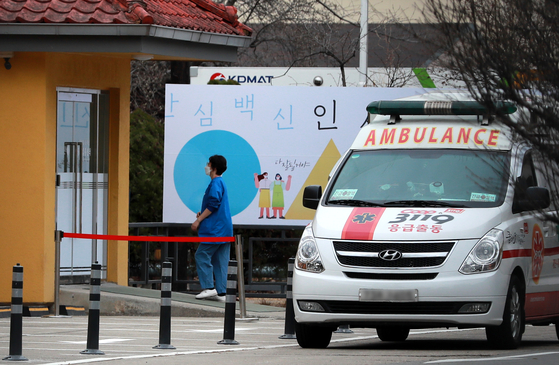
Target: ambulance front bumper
450,300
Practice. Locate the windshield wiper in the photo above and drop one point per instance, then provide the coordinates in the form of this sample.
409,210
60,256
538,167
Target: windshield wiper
353,202
423,203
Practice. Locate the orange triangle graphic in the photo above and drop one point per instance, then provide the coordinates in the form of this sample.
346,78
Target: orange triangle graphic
318,176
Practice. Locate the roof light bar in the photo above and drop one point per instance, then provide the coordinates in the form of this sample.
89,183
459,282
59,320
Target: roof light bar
412,107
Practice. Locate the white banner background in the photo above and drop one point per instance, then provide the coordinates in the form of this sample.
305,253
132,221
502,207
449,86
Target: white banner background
292,131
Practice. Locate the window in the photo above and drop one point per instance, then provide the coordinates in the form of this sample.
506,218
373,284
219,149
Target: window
466,178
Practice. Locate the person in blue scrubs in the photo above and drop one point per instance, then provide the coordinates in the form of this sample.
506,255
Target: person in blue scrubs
214,220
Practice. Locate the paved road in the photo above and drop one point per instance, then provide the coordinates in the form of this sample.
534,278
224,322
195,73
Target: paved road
129,340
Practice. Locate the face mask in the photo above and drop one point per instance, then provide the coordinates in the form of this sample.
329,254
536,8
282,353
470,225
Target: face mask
207,170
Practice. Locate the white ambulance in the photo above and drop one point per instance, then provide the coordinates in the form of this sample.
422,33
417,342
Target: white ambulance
429,220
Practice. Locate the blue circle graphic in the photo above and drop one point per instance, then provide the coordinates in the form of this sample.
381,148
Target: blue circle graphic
242,162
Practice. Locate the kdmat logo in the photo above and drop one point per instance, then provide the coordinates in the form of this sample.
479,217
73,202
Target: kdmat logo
218,76
243,79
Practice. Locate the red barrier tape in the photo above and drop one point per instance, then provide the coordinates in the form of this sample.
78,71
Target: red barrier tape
148,238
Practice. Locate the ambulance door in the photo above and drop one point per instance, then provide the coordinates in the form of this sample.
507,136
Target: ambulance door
541,245
545,257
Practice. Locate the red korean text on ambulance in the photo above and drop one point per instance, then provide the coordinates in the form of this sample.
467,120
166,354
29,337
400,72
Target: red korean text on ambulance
429,220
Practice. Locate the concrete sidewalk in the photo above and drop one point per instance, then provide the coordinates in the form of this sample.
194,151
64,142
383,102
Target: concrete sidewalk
130,301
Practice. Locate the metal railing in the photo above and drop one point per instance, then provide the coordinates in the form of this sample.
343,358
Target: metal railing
265,258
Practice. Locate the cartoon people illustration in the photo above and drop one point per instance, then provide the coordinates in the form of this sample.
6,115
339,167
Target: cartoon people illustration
263,185
277,195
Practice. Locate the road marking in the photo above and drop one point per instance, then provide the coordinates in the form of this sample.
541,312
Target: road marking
85,361
512,357
211,351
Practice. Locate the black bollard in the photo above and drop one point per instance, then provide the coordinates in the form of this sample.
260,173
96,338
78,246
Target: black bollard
94,312
16,317
165,312
230,303
289,331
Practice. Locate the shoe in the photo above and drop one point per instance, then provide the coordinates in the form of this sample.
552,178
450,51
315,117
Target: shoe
207,293
218,298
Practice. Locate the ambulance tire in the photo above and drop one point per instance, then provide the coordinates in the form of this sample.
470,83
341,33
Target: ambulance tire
313,337
509,334
393,333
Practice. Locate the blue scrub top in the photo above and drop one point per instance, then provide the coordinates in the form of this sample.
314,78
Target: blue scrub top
216,200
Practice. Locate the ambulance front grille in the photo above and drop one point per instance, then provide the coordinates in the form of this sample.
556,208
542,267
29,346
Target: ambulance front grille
428,308
402,254
392,276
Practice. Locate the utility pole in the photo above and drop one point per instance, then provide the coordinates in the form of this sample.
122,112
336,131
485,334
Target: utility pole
363,43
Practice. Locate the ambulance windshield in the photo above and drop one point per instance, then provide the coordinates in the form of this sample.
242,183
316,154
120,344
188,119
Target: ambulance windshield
454,178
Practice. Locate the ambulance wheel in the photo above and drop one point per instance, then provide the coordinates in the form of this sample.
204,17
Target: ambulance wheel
313,337
509,334
393,333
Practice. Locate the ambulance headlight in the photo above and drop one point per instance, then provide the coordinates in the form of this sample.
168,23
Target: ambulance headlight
486,254
308,257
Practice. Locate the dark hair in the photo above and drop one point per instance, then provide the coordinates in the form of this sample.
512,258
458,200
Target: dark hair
261,177
219,163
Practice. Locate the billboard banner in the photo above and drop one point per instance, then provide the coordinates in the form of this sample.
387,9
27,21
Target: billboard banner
276,141
326,76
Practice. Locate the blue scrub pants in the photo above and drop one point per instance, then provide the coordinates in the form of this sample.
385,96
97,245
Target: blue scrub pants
213,259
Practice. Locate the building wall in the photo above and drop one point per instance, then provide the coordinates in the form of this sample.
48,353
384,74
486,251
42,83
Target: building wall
380,11
27,168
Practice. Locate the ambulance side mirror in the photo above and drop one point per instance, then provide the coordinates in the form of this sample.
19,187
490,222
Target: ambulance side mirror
311,196
536,198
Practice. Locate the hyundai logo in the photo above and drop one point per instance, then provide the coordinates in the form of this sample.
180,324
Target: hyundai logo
390,255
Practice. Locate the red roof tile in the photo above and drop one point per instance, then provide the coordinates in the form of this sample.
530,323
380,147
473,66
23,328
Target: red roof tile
201,15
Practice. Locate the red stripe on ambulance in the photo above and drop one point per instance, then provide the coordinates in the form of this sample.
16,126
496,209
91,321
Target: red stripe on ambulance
361,223
508,254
